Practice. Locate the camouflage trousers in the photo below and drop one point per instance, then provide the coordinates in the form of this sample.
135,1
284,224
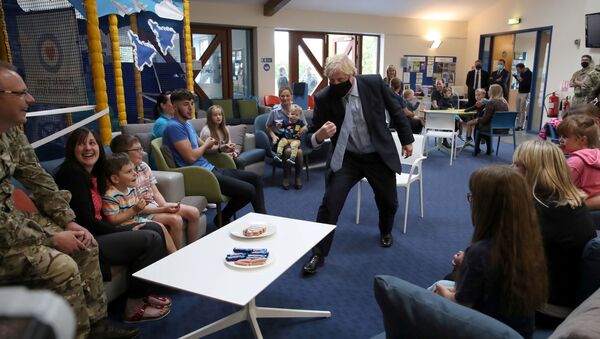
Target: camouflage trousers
76,278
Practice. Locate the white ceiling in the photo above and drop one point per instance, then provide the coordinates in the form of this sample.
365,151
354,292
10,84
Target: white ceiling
457,10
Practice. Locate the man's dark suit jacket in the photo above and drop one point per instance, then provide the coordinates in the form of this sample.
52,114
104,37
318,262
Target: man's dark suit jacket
375,97
485,78
502,79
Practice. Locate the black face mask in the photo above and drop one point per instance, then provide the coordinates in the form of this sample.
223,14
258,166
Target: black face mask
338,91
478,66
585,64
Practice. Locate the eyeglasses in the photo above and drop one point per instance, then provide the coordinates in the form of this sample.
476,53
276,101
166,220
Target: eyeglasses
139,150
469,196
21,94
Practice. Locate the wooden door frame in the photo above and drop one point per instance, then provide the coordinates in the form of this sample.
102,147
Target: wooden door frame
222,37
295,41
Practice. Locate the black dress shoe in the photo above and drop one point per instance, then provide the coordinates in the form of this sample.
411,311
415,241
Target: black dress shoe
311,266
102,329
386,240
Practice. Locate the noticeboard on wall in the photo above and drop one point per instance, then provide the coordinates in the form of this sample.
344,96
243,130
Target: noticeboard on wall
421,71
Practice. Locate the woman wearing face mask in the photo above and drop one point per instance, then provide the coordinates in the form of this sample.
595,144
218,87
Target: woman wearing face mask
501,77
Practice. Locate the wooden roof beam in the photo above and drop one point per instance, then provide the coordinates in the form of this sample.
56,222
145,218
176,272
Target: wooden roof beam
273,6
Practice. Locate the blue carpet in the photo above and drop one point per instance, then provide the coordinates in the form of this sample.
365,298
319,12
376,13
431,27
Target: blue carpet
344,285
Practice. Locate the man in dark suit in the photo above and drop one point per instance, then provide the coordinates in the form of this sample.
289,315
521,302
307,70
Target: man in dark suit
501,77
476,78
351,111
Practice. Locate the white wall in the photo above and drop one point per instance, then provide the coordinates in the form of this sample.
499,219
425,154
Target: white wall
566,18
400,35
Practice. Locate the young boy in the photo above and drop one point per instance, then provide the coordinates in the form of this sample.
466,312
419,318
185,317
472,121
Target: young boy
291,128
479,107
446,100
120,204
173,215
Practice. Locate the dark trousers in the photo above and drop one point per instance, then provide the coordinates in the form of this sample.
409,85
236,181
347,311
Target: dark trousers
242,187
488,142
136,250
355,167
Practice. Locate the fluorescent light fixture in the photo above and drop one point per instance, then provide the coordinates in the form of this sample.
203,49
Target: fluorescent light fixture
514,21
436,43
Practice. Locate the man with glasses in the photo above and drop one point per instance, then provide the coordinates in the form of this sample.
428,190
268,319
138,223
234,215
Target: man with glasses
45,249
351,111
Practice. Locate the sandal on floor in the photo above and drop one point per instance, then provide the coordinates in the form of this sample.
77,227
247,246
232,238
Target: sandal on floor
140,316
155,300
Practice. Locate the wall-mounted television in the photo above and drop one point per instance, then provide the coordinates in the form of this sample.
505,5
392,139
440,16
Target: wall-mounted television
592,30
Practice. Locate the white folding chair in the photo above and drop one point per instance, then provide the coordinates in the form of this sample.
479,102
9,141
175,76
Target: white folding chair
441,125
404,179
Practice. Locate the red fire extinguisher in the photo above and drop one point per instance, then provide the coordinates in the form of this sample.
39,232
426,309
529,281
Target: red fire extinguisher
553,105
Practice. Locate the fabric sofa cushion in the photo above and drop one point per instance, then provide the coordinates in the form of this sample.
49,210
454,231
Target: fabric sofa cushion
410,311
582,323
227,105
237,134
166,152
247,108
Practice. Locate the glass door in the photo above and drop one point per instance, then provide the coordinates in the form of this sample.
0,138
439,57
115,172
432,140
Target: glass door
207,53
538,84
308,52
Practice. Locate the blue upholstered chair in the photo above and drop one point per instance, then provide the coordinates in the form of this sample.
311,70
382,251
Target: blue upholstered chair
503,125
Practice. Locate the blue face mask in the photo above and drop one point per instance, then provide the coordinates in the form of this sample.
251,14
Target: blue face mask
500,67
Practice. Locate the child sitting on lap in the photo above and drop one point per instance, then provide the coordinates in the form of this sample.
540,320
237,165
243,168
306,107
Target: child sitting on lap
173,215
291,128
120,204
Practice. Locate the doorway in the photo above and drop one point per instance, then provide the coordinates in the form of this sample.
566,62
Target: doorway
530,47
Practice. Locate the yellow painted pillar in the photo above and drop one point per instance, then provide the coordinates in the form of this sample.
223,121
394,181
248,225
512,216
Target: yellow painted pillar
187,32
95,47
137,76
113,22
5,53
188,45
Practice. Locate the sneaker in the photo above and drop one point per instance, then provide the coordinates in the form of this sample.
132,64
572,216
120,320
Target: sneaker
277,158
291,161
469,139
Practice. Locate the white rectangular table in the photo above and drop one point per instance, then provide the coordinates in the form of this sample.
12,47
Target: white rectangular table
200,268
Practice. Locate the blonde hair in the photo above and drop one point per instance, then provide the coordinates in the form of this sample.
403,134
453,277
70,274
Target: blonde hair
407,93
547,173
339,62
497,93
480,91
296,109
579,126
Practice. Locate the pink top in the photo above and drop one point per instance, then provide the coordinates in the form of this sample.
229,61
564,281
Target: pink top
585,170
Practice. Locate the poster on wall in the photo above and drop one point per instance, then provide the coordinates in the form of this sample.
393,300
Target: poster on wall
421,71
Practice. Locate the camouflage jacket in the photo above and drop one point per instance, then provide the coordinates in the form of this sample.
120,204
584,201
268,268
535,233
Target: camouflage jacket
580,76
591,84
18,161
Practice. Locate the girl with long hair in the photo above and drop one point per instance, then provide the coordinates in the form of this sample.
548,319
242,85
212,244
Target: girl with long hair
503,273
163,112
496,103
564,220
216,128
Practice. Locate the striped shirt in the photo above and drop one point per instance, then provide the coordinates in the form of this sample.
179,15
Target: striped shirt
115,201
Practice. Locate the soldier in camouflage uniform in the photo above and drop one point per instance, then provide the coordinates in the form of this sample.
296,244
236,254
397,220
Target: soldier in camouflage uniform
577,80
591,84
45,249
